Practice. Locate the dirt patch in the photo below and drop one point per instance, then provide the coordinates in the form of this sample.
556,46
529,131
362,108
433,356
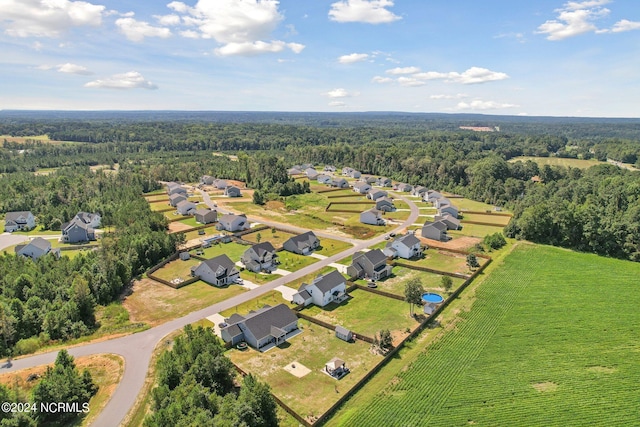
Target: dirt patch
177,226
273,205
150,296
297,369
546,386
602,369
461,243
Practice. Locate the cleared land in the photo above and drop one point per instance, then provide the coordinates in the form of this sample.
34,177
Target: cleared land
549,340
558,161
276,238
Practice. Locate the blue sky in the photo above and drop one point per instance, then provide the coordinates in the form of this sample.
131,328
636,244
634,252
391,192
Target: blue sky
559,58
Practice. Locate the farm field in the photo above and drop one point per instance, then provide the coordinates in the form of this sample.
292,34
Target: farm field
558,161
539,335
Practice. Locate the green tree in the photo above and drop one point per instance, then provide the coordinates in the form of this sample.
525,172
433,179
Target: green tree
472,261
447,283
413,291
258,237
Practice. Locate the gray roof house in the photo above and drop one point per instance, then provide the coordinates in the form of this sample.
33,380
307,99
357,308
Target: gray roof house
231,222
340,183
324,179
220,184
302,244
311,173
76,231
372,217
438,202
36,248
451,222
368,179
355,174
385,204
432,196
261,256
361,187
175,188
20,220
186,207
305,166
407,246
419,190
232,191
174,199
329,168
218,271
266,327
383,181
92,219
405,188
448,209
323,290
435,231
294,171
206,180
347,170
371,264
206,216
375,194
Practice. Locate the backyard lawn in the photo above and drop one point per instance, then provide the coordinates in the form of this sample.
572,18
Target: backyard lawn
396,283
442,260
294,262
330,247
177,269
258,278
276,238
160,206
271,298
475,230
231,249
499,220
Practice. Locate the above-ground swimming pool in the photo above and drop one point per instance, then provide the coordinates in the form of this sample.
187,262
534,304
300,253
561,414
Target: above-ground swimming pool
430,297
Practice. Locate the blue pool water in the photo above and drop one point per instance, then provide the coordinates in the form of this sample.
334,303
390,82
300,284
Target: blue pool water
432,298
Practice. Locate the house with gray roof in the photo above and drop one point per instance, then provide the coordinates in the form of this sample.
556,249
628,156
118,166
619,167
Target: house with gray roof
361,187
294,171
17,221
175,188
36,248
448,209
405,188
311,173
186,207
302,244
419,190
385,204
81,228
375,194
324,179
372,265
340,183
260,257
206,180
263,328
232,191
368,179
435,231
383,181
432,196
437,203
329,168
174,199
372,217
407,247
324,289
218,271
451,222
231,222
206,215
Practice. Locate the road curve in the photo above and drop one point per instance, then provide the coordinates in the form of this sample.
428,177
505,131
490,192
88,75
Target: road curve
137,349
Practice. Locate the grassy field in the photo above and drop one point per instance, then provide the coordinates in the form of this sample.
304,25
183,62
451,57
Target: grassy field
475,230
442,261
231,249
549,340
277,239
401,275
558,161
499,220
270,298
177,269
160,206
294,262
258,278
330,247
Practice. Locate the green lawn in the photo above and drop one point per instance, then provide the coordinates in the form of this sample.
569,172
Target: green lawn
366,313
177,269
157,197
475,230
498,220
160,206
399,215
401,275
330,247
277,239
231,249
442,261
258,278
294,262
191,222
37,231
550,340
270,298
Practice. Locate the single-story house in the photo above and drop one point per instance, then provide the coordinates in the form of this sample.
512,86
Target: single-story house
261,256
407,246
36,248
323,290
232,191
311,173
344,333
340,183
385,204
186,207
451,222
206,180
268,325
372,265
20,220
324,179
435,231
383,181
361,187
372,217
206,215
231,222
218,271
302,244
174,199
375,194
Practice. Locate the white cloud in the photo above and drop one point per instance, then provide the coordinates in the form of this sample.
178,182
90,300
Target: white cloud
367,11
337,104
130,80
353,57
456,96
167,20
380,79
136,30
74,69
411,81
340,93
257,48
190,34
475,75
478,104
575,18
625,25
403,70
47,18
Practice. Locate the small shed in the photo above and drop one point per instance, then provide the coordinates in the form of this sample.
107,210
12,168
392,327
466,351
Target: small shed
185,256
344,334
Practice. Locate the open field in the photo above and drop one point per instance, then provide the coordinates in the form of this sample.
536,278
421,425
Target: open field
160,206
471,205
365,313
314,393
543,344
276,238
106,371
401,275
154,303
558,161
157,197
488,218
475,230
177,269
442,260
42,139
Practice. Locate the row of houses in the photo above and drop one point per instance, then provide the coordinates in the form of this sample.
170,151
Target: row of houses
446,218
81,228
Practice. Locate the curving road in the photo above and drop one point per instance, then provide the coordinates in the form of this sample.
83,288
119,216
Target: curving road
137,349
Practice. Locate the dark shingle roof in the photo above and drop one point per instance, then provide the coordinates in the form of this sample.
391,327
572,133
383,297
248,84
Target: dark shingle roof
439,225
221,261
375,256
260,322
262,248
329,281
304,240
13,216
408,240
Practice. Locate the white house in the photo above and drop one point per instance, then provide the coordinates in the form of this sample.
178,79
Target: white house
407,246
372,217
36,248
323,290
21,220
231,222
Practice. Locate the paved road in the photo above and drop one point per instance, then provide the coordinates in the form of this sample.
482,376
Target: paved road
137,349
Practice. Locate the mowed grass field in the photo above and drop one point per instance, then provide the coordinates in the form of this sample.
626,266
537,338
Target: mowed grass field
558,161
551,339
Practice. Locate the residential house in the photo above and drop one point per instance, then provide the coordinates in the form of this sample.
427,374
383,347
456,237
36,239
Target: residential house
323,290
419,190
218,271
206,215
361,187
91,219
311,173
375,194
405,188
372,217
448,209
306,166
76,231
329,168
355,174
294,171
186,207
368,179
324,179
206,180
268,325
340,183
302,244
220,184
21,220
451,222
344,333
175,188
232,191
407,246
231,222
346,171
383,181
432,196
36,248
371,264
435,231
437,203
259,257
385,204
174,199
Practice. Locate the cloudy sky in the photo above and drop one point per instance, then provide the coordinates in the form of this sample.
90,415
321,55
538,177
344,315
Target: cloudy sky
548,57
